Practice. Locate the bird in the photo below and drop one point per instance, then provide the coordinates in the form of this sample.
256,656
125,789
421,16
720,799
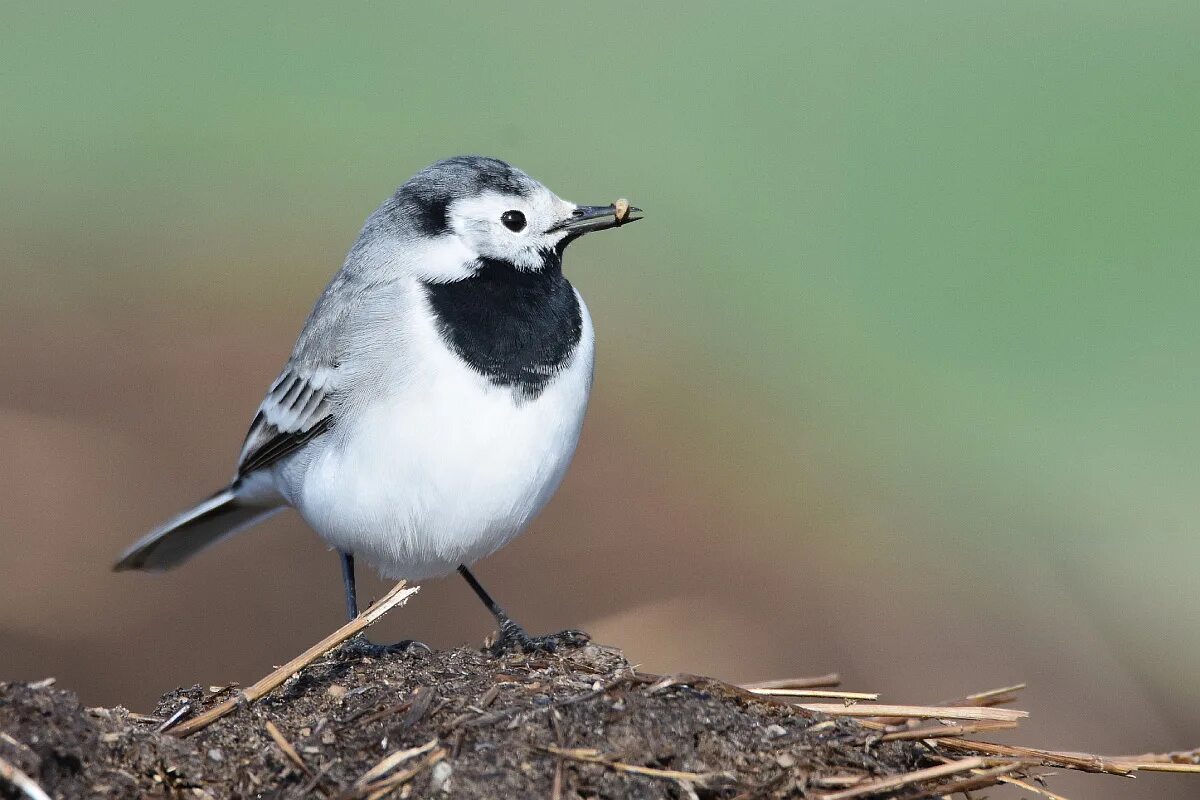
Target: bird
435,395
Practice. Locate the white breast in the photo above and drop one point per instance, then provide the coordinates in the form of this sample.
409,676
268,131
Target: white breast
441,467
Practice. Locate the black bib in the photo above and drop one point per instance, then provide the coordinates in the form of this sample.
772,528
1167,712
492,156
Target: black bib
519,328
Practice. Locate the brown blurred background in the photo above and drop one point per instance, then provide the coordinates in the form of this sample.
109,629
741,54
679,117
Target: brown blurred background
898,378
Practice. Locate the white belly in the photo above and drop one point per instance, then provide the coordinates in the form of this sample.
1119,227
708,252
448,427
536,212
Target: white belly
446,468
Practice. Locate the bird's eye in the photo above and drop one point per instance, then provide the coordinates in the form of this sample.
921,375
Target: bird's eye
513,220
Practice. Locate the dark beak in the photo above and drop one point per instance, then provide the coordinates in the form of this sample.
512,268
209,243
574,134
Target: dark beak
585,219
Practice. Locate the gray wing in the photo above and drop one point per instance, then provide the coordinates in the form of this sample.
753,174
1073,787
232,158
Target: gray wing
303,402
300,405
297,409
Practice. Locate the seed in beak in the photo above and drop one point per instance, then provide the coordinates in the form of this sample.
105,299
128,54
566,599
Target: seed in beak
622,210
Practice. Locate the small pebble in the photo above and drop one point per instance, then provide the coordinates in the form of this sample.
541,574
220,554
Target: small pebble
784,760
216,755
775,731
439,776
336,691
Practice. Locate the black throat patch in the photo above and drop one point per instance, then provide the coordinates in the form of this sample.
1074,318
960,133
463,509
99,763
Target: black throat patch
518,328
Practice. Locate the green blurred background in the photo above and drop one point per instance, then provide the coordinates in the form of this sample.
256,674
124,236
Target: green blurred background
898,378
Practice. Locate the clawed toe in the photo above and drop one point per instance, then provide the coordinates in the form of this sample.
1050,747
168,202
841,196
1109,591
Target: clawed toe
513,638
360,646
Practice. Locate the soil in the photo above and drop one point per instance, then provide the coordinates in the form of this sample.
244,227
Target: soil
483,726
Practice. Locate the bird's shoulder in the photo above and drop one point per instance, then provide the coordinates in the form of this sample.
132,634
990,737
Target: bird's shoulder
301,403
297,408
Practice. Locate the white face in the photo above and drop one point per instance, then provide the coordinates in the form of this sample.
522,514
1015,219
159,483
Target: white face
448,218
510,228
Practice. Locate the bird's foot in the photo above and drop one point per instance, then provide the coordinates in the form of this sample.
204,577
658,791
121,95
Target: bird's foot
360,646
514,638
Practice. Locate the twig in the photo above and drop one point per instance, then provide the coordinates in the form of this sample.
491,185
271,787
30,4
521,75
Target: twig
490,695
989,698
556,787
1176,757
1029,787
1000,776
394,760
674,679
817,682
398,596
992,697
590,756
1084,762
1179,761
944,730
176,715
22,781
981,779
395,708
837,781
1157,766
823,693
287,748
917,712
18,744
377,782
422,699
1044,757
881,785
385,787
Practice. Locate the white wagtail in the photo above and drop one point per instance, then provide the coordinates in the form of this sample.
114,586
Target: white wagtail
435,396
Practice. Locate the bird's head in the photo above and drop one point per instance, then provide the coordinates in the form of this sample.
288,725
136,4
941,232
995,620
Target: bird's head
453,215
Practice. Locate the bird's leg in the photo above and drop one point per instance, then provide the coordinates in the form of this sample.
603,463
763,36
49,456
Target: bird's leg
348,582
512,635
359,644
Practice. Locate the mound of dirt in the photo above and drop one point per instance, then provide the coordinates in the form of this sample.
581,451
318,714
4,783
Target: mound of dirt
458,723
